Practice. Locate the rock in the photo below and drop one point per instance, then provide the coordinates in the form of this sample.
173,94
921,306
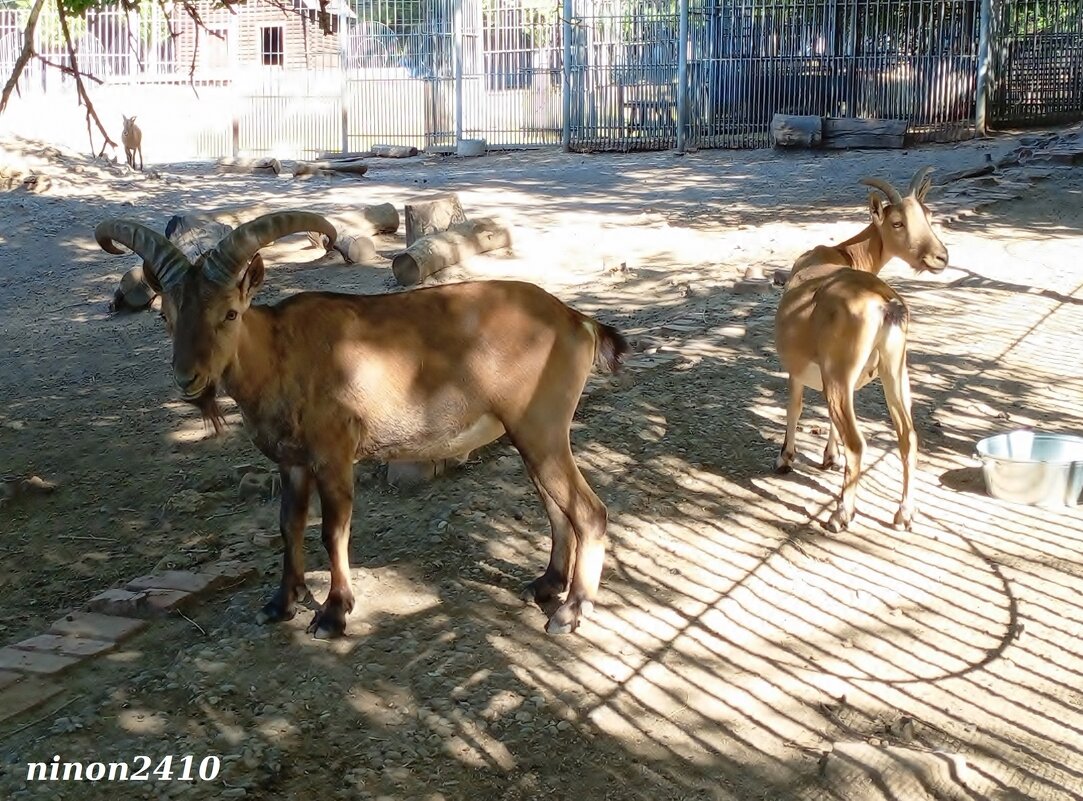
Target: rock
256,486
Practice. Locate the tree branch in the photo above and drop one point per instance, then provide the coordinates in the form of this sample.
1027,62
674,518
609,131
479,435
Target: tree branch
24,56
83,96
66,69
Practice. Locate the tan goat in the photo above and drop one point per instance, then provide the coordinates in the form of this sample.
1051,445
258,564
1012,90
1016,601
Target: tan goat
132,139
838,326
324,380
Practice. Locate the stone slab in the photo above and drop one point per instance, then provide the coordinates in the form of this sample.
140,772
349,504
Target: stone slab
183,580
39,662
141,603
94,626
65,645
25,695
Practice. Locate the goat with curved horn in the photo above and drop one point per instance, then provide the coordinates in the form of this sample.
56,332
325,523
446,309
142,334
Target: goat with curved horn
921,183
229,259
890,192
165,262
838,327
325,379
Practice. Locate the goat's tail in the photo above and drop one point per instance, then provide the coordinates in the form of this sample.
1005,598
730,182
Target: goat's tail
610,347
896,315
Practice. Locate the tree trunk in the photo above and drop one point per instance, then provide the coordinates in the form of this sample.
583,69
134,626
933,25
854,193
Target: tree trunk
249,165
394,151
790,130
351,166
425,216
840,133
433,253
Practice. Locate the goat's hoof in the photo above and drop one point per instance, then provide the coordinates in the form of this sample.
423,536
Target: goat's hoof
542,590
840,521
904,519
783,466
327,624
279,610
829,463
568,617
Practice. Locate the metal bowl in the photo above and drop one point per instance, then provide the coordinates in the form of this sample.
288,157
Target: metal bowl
1032,468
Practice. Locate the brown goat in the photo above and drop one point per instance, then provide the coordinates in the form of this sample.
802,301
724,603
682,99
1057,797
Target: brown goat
132,139
324,380
838,326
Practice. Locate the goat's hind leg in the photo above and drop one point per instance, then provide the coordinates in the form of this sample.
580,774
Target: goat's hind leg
293,515
547,587
840,405
794,404
896,382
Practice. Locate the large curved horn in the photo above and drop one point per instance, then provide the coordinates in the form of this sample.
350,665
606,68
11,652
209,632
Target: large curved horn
228,260
167,264
917,184
879,183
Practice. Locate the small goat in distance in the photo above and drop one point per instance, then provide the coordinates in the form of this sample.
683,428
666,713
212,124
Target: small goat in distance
132,139
324,380
838,326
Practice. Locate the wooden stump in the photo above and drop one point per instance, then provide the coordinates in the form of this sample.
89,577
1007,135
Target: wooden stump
431,215
393,151
356,249
267,165
791,130
433,253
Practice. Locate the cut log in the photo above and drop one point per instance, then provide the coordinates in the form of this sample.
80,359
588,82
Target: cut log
431,215
350,166
266,165
394,151
356,249
793,130
433,253
382,218
843,132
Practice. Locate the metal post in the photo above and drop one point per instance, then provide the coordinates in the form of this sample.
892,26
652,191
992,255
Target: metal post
985,57
682,76
566,87
344,77
457,56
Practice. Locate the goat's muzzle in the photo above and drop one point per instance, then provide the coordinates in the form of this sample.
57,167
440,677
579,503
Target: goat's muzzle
936,262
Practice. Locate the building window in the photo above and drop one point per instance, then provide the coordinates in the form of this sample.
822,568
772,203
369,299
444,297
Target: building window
216,52
274,50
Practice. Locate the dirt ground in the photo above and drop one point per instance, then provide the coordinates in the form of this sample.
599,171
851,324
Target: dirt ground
740,650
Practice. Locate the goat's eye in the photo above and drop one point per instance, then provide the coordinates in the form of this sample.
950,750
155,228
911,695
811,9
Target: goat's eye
231,314
897,225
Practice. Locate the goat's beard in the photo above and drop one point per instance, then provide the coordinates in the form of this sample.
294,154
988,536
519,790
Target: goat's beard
207,403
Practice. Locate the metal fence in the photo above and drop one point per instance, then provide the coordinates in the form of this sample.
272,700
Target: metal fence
591,74
1037,61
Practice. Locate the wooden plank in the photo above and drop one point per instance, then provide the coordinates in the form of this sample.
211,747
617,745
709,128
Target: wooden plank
846,132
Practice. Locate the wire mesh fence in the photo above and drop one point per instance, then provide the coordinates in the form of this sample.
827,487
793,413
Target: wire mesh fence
593,74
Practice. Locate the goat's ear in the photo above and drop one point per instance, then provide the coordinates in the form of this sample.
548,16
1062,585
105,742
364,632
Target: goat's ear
252,279
877,207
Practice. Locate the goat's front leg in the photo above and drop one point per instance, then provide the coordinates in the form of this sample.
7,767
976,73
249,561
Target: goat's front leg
293,514
335,485
831,450
796,400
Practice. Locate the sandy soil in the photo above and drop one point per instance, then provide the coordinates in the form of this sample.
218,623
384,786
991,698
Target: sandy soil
741,652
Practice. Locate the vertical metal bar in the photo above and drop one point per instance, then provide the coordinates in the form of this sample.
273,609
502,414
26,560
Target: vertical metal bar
981,98
457,59
682,76
344,77
566,82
